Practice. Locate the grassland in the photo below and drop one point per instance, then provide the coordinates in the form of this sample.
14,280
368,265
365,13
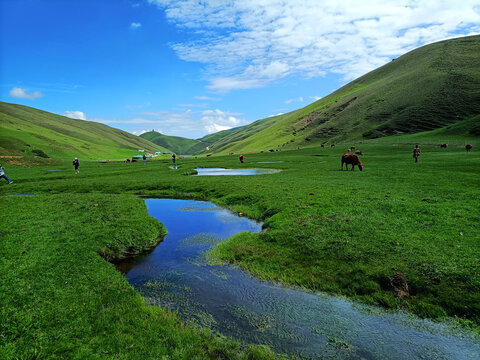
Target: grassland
27,132
342,232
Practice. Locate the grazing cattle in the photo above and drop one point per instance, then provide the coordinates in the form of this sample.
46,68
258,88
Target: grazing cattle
358,152
231,153
323,145
127,160
468,147
353,160
332,145
271,150
352,148
134,160
443,146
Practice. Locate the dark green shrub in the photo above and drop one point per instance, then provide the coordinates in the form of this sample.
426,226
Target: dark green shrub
40,153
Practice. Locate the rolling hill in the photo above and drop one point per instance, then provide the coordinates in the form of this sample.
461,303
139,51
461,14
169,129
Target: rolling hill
432,87
177,144
26,132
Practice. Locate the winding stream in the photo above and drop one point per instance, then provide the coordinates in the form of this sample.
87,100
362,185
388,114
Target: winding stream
176,275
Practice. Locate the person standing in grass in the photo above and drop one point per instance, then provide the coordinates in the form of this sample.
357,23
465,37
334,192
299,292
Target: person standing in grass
144,159
76,164
416,153
173,158
3,175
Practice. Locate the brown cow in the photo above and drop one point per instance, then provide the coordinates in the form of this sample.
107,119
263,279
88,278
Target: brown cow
351,159
134,160
468,147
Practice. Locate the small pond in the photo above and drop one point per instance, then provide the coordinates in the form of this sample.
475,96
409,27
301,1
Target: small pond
222,171
176,275
53,170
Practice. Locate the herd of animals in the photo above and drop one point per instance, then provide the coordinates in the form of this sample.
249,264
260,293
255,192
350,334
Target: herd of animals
351,157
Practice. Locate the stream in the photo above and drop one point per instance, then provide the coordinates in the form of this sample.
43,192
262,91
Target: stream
309,325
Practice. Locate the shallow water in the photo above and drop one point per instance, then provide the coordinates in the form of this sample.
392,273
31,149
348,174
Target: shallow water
291,321
56,169
222,171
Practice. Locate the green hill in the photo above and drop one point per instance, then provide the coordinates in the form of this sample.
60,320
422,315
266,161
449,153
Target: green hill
177,144
25,131
432,87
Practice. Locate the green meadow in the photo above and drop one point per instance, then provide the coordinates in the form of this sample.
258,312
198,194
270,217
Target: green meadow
341,232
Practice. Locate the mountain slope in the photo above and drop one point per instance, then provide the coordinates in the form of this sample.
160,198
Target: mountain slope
24,129
177,144
428,88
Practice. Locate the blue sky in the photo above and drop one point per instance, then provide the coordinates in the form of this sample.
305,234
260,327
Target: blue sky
189,68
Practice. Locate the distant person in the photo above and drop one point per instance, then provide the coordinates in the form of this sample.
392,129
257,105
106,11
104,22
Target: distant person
173,158
144,159
241,158
76,164
416,153
3,175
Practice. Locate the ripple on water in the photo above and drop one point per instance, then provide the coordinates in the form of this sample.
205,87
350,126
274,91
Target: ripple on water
289,320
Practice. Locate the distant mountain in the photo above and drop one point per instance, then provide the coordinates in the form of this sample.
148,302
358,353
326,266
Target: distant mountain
181,145
432,87
25,131
177,144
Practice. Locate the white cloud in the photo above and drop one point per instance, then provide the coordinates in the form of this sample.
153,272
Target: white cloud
276,114
140,132
299,99
23,94
250,43
206,98
135,25
217,120
79,115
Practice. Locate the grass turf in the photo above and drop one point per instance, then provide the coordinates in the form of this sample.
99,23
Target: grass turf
346,233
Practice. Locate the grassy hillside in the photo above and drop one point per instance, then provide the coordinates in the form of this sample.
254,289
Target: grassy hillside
432,87
24,131
177,144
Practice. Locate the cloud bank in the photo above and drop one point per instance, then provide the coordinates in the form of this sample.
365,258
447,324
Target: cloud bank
249,43
190,124
23,94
